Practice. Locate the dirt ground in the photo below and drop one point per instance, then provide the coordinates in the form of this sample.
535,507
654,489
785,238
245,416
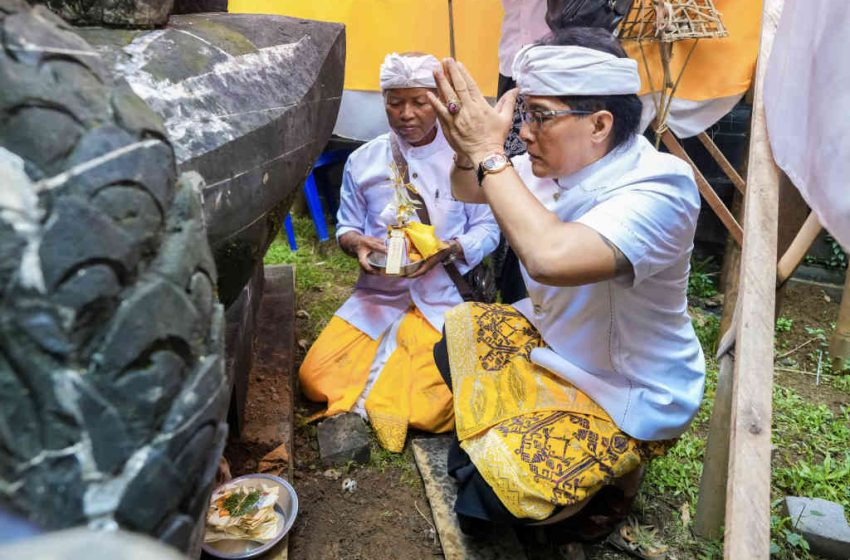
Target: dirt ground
809,307
387,516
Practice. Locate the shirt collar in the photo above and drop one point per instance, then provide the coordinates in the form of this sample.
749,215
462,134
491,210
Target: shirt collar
602,171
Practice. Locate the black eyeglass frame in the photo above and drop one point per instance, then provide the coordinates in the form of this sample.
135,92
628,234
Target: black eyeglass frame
539,118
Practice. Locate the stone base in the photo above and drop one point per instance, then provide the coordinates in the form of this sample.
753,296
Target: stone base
431,455
822,524
241,321
343,438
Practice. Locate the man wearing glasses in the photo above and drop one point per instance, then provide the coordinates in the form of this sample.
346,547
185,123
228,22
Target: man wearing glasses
562,398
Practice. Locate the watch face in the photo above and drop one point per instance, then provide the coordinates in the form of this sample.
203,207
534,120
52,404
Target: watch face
493,162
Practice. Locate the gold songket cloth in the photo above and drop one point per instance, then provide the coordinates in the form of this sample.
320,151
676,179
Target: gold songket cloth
538,441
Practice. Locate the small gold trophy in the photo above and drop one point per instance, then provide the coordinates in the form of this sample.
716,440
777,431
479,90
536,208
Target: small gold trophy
399,253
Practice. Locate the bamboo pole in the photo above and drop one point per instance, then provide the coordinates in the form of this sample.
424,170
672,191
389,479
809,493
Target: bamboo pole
839,346
705,188
452,52
797,249
748,490
721,160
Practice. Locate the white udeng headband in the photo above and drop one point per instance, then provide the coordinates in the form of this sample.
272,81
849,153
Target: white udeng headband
408,71
570,70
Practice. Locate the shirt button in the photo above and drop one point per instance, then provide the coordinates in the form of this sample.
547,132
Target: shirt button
415,175
556,196
538,311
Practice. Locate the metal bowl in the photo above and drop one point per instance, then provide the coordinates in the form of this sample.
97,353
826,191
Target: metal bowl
378,261
286,509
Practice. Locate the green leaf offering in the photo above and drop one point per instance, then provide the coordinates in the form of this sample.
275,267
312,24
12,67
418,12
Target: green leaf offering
239,503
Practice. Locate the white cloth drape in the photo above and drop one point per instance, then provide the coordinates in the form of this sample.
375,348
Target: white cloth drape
807,102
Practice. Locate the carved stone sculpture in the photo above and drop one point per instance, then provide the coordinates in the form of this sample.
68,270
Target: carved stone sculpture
112,385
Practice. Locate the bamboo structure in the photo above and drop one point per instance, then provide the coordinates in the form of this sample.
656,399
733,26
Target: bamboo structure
665,22
671,20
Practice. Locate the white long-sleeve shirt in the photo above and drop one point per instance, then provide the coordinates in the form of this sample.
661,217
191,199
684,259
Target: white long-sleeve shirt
523,24
366,192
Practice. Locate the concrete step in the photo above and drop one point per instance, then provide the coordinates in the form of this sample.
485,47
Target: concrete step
441,489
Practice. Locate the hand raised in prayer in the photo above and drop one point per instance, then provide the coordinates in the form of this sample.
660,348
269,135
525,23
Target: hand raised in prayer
477,129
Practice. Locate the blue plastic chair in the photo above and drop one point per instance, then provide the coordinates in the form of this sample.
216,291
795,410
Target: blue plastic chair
314,202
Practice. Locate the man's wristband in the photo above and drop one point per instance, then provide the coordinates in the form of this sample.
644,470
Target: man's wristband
469,167
495,162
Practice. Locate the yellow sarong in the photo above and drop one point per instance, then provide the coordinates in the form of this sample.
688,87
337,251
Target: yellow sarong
409,390
537,440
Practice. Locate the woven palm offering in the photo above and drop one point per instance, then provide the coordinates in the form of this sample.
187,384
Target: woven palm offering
408,242
664,22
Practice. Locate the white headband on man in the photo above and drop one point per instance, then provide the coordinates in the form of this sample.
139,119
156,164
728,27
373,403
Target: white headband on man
403,71
571,70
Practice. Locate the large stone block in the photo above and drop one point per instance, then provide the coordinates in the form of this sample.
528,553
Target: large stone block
249,102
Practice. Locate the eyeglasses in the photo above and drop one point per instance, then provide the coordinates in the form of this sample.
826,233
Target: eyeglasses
537,118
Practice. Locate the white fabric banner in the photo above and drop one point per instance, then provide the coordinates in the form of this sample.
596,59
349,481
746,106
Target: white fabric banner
807,101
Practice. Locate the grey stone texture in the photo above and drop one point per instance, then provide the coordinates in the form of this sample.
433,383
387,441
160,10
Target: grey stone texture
343,438
249,102
823,525
112,386
113,13
240,337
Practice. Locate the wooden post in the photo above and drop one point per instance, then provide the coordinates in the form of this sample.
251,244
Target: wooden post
796,250
793,212
748,490
839,346
708,521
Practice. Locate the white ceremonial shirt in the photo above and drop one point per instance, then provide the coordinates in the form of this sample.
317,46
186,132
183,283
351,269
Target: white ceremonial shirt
366,191
524,23
627,342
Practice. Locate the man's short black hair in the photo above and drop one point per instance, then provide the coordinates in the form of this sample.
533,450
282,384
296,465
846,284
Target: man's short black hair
625,108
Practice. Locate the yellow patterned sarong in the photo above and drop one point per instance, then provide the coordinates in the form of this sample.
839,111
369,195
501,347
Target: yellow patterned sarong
409,390
537,440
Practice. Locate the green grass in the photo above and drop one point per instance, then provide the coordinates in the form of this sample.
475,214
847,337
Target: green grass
324,275
701,282
784,324
812,458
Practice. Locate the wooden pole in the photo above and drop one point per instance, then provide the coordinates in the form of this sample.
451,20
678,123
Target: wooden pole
721,160
705,188
793,213
839,346
452,52
711,506
797,249
748,490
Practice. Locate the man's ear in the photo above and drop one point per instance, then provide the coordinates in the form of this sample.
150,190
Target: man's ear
603,126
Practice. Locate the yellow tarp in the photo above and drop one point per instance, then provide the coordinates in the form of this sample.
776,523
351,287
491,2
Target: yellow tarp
719,67
376,27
